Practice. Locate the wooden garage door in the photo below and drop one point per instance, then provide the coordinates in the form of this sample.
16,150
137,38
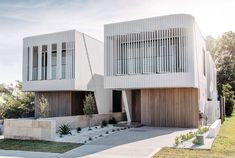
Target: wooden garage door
170,107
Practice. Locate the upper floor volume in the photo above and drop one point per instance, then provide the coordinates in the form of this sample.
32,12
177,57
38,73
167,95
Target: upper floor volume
165,51
61,61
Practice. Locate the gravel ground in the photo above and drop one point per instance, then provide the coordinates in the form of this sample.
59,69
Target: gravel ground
83,136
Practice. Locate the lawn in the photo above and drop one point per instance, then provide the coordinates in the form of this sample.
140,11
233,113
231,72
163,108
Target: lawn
36,145
223,146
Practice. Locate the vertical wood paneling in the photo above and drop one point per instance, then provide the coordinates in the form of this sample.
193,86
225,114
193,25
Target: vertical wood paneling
170,107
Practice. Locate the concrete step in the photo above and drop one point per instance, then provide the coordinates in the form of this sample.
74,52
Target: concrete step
129,124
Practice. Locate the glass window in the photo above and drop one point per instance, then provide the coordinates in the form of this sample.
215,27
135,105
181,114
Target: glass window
63,63
35,63
53,61
28,57
44,62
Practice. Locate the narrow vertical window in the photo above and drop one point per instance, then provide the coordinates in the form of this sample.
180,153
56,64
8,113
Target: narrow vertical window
28,57
204,62
44,62
64,63
69,59
35,63
53,60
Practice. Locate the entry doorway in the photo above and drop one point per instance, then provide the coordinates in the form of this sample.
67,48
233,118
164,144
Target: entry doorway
117,101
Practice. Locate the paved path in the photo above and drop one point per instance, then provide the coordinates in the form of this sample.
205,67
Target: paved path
25,154
133,143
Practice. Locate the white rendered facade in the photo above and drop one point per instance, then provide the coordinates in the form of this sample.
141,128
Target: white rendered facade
65,61
159,52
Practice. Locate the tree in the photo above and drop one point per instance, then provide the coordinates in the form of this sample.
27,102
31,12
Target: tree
43,109
89,107
229,99
15,103
223,52
211,46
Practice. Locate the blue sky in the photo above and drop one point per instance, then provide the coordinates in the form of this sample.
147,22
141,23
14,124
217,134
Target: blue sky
22,18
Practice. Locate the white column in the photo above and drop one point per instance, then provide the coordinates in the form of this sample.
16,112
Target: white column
126,95
39,62
58,66
49,61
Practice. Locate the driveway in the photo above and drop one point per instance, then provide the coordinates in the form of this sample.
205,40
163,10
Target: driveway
140,142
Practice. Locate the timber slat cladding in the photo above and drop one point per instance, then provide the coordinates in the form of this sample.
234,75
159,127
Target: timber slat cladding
170,107
59,103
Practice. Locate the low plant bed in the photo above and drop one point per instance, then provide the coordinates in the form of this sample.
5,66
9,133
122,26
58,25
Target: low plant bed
37,145
193,139
223,146
86,135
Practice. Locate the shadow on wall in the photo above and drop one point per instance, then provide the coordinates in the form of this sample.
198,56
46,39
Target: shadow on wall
103,96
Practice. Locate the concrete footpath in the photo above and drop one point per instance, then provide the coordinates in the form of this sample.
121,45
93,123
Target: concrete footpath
25,154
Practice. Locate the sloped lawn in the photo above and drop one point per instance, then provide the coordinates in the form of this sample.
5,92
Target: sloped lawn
223,146
35,145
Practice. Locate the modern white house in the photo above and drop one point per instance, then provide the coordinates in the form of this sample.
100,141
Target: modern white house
162,68
64,67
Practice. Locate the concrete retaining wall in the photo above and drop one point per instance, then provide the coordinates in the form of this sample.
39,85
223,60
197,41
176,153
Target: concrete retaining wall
212,111
45,129
82,120
214,129
29,129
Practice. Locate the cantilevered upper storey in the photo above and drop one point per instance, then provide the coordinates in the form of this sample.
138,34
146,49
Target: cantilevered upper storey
158,52
62,61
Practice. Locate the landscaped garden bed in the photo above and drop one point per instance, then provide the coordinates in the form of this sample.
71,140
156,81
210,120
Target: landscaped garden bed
86,135
194,139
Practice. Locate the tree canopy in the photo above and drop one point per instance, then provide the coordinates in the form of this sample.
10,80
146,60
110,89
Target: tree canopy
15,103
222,50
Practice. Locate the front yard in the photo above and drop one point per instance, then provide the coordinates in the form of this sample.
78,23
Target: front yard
35,145
223,146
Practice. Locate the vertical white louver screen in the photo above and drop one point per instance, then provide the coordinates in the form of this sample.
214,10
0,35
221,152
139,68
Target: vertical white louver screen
160,51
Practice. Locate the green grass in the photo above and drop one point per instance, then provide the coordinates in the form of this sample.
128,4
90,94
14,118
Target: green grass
36,145
223,146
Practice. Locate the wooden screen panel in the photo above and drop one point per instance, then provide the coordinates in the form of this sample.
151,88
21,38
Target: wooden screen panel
77,102
59,103
170,107
136,109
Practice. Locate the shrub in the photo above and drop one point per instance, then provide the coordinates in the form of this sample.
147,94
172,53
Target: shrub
113,130
79,129
100,135
43,108
89,107
103,124
195,141
107,132
64,129
112,121
202,130
90,138
229,99
183,137
177,140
